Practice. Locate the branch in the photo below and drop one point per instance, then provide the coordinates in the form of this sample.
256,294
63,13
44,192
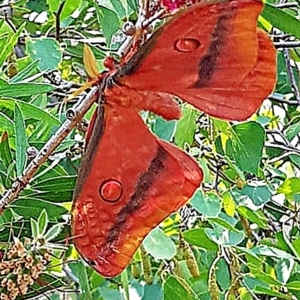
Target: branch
287,44
57,20
293,81
282,99
287,5
75,114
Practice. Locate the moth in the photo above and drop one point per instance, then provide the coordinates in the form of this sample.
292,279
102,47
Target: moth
211,55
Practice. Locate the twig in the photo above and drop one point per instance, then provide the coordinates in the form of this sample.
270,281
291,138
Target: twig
57,20
287,44
141,23
76,114
287,5
282,147
281,99
291,75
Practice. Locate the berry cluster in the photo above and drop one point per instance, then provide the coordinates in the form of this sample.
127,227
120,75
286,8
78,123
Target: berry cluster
20,265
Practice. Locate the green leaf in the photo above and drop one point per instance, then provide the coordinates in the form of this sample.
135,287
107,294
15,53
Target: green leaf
24,73
43,222
292,131
53,232
5,152
209,205
47,51
28,111
17,90
173,289
81,272
256,217
108,21
37,5
224,237
69,7
296,246
223,222
228,204
270,292
259,274
271,252
153,291
186,127
293,285
6,124
28,208
245,146
107,293
164,129
199,238
252,196
9,44
123,8
21,141
64,187
290,187
153,242
223,274
282,20
34,229
284,268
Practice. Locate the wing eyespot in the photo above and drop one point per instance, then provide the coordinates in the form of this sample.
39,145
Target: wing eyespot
111,190
186,45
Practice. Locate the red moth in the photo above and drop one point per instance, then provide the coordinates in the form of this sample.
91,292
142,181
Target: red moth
211,55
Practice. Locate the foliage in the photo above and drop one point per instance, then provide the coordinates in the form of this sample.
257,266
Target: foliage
239,236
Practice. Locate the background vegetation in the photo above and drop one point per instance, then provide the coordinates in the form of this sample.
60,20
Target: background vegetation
239,236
